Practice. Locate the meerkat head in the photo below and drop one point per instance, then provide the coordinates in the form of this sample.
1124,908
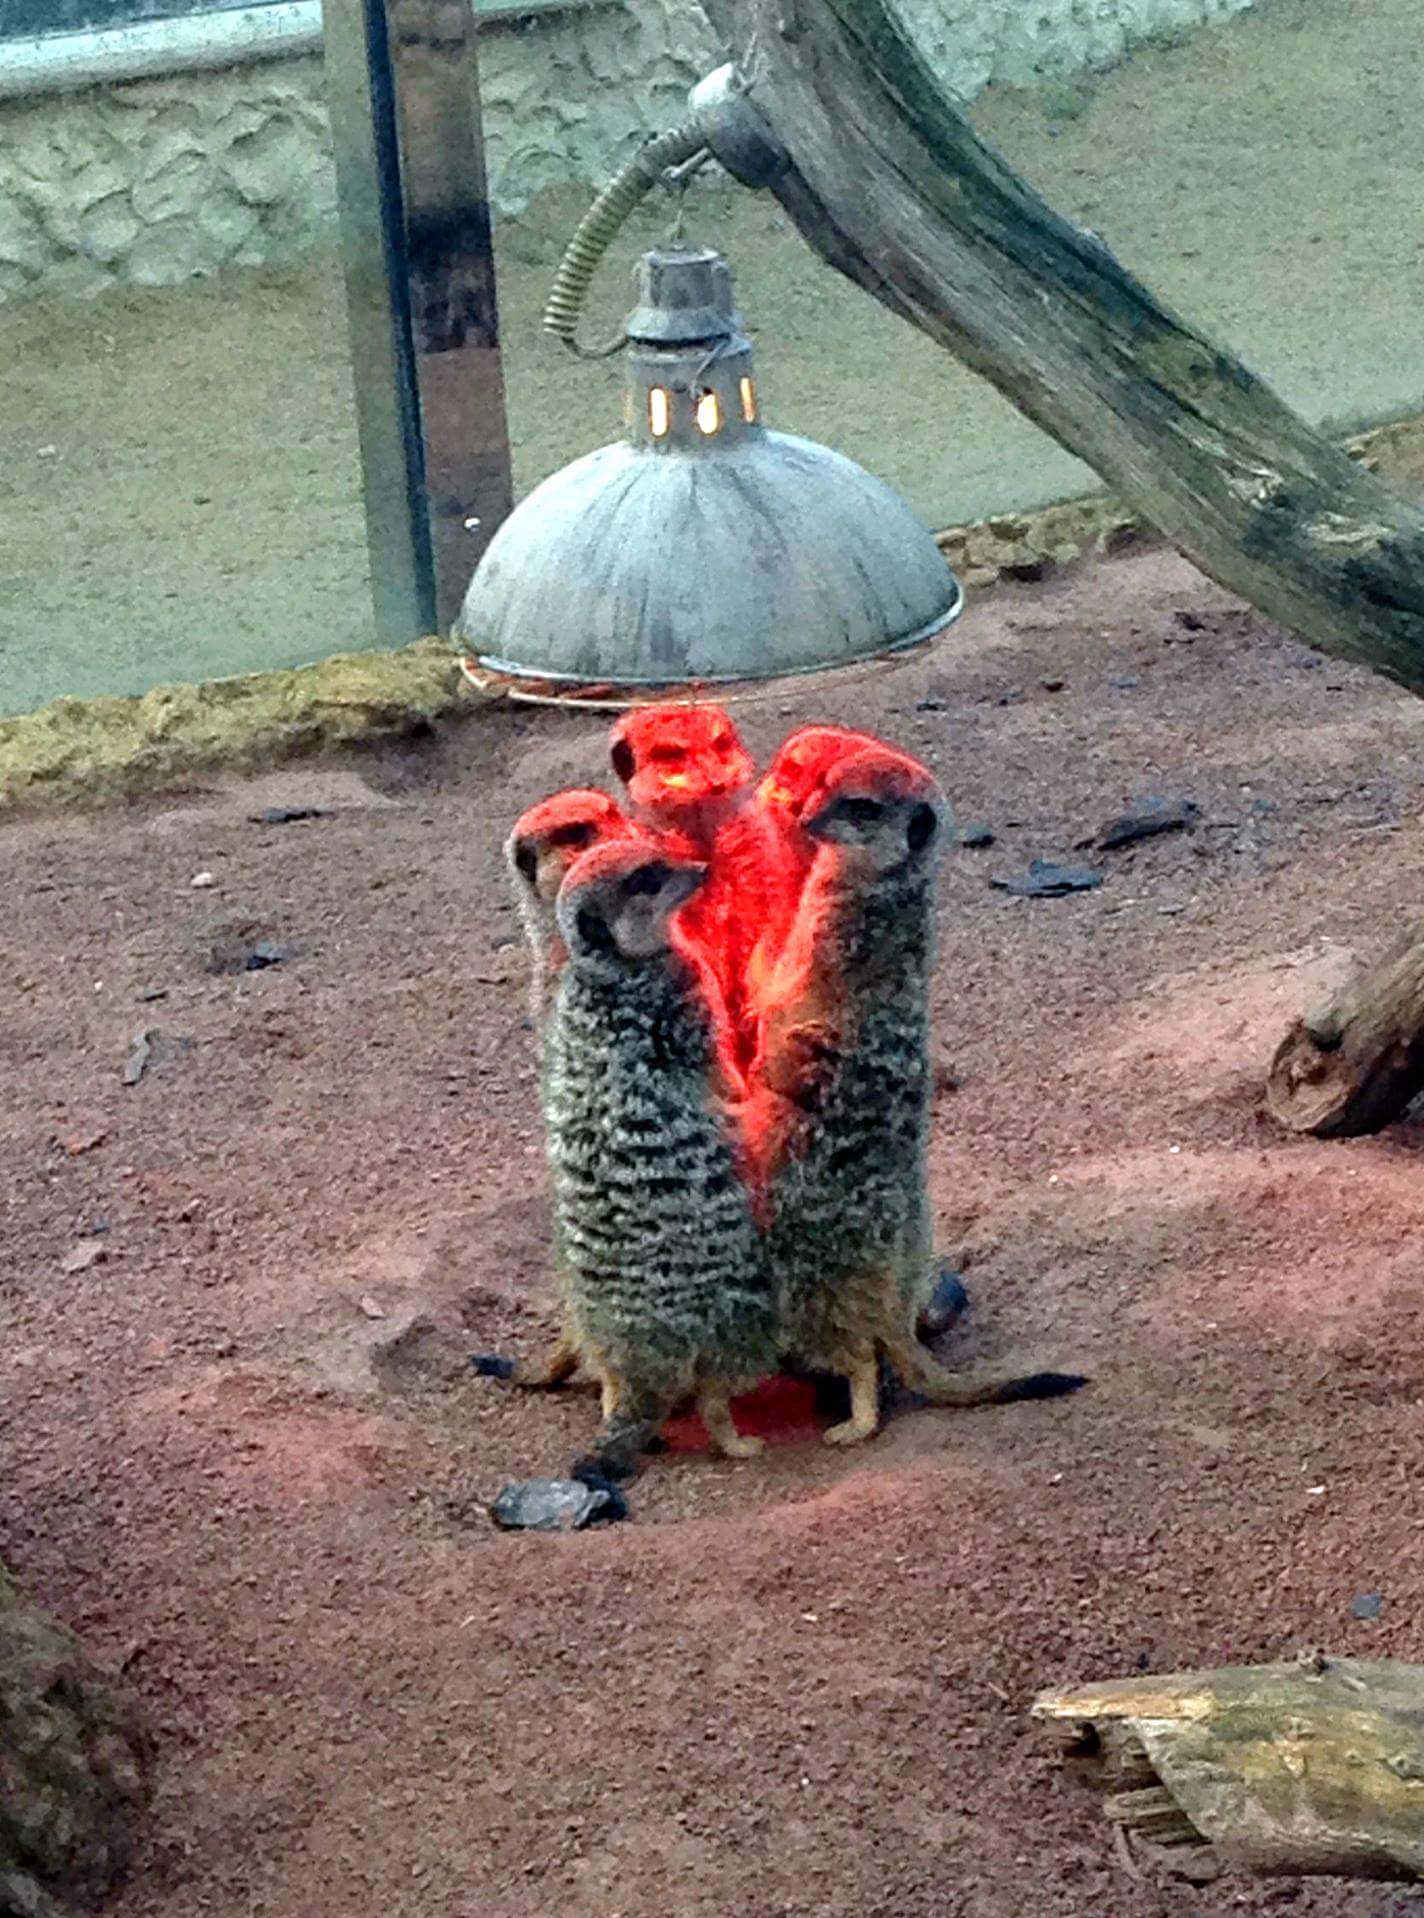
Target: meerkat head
802,762
683,767
882,808
619,900
548,838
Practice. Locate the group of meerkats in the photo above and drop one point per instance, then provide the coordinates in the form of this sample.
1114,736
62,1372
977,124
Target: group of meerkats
731,994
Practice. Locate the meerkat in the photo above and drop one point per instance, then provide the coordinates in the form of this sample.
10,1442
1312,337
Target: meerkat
544,843
689,778
795,780
840,1113
669,1292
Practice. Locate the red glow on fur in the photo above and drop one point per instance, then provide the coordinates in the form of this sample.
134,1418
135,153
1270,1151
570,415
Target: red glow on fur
550,837
681,766
752,931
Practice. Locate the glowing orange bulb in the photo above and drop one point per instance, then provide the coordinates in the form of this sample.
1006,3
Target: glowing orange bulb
659,415
709,414
749,409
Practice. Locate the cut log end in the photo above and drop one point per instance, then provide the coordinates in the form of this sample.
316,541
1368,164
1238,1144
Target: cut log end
1312,1088
1357,1063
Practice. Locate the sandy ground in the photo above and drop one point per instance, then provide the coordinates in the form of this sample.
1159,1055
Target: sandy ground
180,495
232,1457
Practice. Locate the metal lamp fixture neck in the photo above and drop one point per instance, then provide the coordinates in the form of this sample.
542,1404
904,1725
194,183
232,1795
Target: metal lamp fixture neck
690,387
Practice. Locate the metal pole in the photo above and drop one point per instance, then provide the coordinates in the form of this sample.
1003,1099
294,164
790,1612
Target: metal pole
404,93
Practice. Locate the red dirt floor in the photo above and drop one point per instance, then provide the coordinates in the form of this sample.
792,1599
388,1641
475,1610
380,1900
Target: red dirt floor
796,1686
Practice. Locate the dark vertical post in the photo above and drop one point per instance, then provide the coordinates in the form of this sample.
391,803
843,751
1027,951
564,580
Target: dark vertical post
404,90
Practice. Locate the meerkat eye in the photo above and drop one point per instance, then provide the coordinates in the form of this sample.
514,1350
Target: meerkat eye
862,812
526,862
625,763
724,744
921,827
644,882
593,933
668,755
571,835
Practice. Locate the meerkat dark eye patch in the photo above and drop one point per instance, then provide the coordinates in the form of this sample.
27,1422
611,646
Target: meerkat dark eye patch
921,828
573,834
624,764
593,933
644,882
526,862
862,812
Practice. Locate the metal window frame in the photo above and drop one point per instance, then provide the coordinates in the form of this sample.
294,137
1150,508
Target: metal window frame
36,64
417,245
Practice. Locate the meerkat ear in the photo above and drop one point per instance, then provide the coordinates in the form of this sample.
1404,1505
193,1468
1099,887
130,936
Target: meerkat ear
593,932
921,828
623,761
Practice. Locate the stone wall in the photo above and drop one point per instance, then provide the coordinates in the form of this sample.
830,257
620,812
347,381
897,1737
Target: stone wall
152,181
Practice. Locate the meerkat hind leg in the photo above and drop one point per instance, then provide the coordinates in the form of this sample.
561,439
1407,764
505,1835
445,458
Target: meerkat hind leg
863,1375
560,1363
712,1403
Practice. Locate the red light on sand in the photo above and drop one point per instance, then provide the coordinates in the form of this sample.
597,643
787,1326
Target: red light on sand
779,1410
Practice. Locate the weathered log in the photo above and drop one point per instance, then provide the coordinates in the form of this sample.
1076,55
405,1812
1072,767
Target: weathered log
889,183
1304,1768
1356,1063
72,1765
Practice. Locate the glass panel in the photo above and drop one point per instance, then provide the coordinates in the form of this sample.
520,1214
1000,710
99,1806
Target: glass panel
180,493
1264,176
1260,163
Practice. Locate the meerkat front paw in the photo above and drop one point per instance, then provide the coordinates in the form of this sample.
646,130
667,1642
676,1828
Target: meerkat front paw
851,1432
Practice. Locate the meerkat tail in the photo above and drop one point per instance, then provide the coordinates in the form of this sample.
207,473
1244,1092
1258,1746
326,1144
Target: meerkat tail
712,1403
863,1376
931,1381
626,1433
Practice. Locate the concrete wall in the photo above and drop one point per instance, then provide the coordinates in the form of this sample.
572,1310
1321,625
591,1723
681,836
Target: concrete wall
152,181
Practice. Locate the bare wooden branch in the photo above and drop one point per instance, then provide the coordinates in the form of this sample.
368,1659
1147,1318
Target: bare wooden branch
890,184
1356,1063
1311,1767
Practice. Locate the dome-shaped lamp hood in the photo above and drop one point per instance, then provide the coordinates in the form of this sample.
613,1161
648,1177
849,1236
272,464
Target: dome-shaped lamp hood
703,549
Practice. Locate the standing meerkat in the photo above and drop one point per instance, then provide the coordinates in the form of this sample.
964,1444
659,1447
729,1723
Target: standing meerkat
839,1120
669,1293
792,789
689,778
544,843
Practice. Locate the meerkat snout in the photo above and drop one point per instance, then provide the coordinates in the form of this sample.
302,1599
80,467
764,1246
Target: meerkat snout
620,901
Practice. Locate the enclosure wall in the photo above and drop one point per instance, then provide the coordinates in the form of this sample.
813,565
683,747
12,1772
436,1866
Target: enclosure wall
154,180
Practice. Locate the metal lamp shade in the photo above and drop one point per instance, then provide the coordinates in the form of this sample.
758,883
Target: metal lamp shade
704,549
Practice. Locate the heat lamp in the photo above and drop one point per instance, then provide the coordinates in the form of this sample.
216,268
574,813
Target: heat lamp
704,549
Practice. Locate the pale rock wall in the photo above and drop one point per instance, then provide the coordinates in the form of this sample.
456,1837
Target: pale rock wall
158,180
153,181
